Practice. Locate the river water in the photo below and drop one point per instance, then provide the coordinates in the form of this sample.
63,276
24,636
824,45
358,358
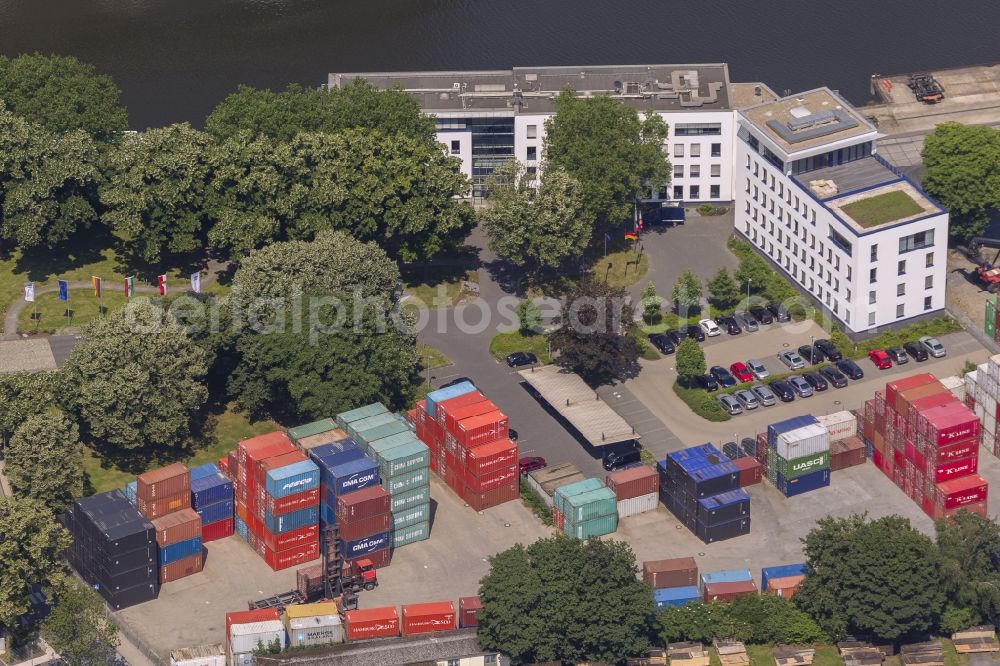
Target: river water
175,59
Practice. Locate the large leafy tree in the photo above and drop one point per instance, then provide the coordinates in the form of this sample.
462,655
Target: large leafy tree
686,294
48,182
136,382
540,226
761,619
565,600
78,628
724,290
596,336
62,94
963,173
970,565
853,561
30,554
22,395
690,359
297,109
44,460
158,191
609,149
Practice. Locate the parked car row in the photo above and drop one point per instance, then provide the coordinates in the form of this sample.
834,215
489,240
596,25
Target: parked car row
749,321
918,351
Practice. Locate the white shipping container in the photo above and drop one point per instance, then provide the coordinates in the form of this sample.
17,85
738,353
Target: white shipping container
637,505
980,411
954,384
989,422
980,393
839,425
805,441
970,383
315,630
203,655
245,637
993,367
991,387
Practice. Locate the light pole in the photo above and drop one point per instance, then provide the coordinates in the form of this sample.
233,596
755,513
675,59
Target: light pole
748,292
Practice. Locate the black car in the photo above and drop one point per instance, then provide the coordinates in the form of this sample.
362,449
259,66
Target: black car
817,382
779,311
761,315
898,355
708,383
517,359
834,376
730,324
618,458
723,376
850,368
916,351
829,350
694,331
674,337
811,355
459,380
782,389
662,343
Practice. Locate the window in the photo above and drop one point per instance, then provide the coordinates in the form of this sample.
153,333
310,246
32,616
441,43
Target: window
532,153
662,194
871,318
532,131
874,252
901,267
532,172
872,275
714,192
840,242
678,171
678,150
900,310
916,241
678,192
848,295
929,282
456,147
698,129
717,150
927,302
871,298
716,170
695,192
454,662
901,289
695,171
695,150
929,259
848,273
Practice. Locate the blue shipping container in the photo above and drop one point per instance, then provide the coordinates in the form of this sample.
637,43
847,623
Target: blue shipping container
780,571
241,527
803,484
291,521
331,460
292,479
788,425
368,544
213,513
723,507
130,491
676,596
327,514
331,449
441,395
349,477
695,457
210,490
180,550
201,471
726,576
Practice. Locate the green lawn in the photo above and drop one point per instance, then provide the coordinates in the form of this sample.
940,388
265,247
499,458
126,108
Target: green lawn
431,358
503,344
82,305
882,208
436,286
826,655
624,271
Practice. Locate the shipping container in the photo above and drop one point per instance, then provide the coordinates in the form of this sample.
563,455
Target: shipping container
202,655
562,494
444,412
949,423
594,527
360,413
803,484
468,611
451,420
249,617
309,429
677,572
181,549
290,521
411,498
724,507
178,526
178,569
720,531
894,387
121,599
312,625
163,482
805,441
728,591
428,617
358,528
408,482
499,454
290,540
491,498
785,586
311,442
262,447
244,638
350,477
329,452
379,558
213,513
209,489
368,438
435,397
490,480
847,453
960,492
402,459
780,571
839,425
365,503
203,471
285,559
292,479
279,506
158,508
411,534
636,505
709,480
217,530
750,471
791,469
410,516
954,469
629,483
483,429
676,596
371,623
726,576
789,425
367,544
590,505
355,428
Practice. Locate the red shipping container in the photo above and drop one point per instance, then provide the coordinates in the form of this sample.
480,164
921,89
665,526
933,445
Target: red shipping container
249,617
233,465
220,529
751,471
371,623
481,484
490,457
223,465
161,507
629,483
468,609
241,512
937,513
960,492
379,559
945,453
371,501
281,505
163,482
291,557
181,568
956,469
930,402
479,430
728,591
362,527
491,498
949,424
785,587
898,459
428,617
452,419
177,526
451,405
904,399
288,540
893,387
877,458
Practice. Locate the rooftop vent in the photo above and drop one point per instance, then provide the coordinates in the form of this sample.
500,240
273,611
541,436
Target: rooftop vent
799,112
811,120
531,77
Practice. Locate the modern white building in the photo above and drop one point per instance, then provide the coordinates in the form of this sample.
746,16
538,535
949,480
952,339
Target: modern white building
802,173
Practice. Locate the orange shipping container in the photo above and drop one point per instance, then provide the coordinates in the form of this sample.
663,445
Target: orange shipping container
785,587
177,526
181,568
479,430
429,617
161,507
163,482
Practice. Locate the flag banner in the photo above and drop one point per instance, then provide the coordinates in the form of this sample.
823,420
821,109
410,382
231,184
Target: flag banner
96,281
29,292
161,282
639,225
630,235
63,290
196,282
129,287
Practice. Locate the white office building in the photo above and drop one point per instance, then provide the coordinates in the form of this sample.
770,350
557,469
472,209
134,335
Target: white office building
802,173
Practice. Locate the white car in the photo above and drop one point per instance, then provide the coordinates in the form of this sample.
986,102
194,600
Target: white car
710,327
933,347
757,368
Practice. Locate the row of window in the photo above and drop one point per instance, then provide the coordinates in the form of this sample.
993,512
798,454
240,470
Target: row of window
694,170
695,150
901,310
901,289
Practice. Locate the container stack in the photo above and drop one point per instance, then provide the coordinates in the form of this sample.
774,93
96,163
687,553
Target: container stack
469,447
307,437
164,490
585,509
927,442
313,625
796,454
701,487
114,548
727,585
782,581
636,490
246,630
365,525
428,617
164,496
846,447
674,582
548,480
982,394
212,498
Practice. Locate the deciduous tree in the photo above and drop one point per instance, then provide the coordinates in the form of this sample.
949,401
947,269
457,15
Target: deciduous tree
687,293
651,303
529,316
724,290
78,628
690,359
44,460
970,566
22,395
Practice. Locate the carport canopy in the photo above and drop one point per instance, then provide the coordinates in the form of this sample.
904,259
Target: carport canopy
579,404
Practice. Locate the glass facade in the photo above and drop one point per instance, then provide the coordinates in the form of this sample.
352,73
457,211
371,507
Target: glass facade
492,145
842,156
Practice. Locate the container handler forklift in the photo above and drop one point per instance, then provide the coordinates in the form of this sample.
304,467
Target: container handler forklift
987,271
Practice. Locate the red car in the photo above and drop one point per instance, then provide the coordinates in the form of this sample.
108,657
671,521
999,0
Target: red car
531,463
880,359
741,372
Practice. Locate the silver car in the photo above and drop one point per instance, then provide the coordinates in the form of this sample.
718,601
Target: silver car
757,368
933,347
747,399
801,387
730,404
764,394
746,321
792,360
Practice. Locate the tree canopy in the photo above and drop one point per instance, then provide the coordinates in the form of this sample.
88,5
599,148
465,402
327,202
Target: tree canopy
963,173
44,460
970,565
297,109
62,94
690,359
78,628
23,394
760,619
724,290
686,294
565,600
609,149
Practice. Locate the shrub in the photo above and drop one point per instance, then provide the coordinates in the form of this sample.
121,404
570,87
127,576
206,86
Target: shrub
702,403
533,501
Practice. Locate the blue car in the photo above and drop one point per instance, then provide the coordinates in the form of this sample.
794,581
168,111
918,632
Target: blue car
850,368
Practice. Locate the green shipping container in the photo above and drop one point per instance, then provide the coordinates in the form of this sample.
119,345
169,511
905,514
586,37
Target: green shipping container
796,467
354,429
310,429
367,437
590,505
360,413
560,500
386,443
411,534
414,497
402,459
991,317
407,482
411,516
592,528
